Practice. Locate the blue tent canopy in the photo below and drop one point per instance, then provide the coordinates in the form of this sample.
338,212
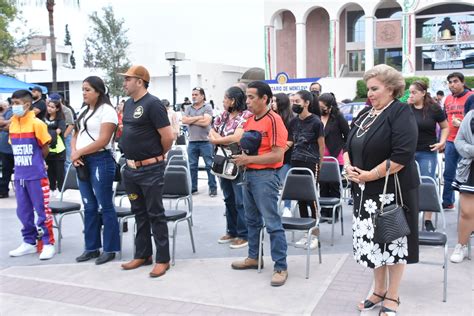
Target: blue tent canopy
10,84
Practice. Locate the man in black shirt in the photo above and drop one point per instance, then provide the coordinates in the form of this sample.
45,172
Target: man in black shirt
39,106
146,137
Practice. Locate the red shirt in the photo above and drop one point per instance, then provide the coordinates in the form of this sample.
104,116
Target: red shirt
454,106
273,133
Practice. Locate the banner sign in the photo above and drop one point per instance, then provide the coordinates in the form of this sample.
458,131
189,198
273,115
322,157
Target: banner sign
284,84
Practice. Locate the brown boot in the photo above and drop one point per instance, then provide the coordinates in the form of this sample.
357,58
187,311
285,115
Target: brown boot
159,269
136,263
247,263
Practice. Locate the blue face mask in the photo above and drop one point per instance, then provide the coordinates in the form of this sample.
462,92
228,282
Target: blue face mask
18,110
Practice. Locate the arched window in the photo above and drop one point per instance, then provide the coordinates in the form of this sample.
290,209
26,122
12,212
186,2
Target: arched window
359,29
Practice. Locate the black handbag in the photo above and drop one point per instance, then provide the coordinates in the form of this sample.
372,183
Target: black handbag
390,221
222,165
82,172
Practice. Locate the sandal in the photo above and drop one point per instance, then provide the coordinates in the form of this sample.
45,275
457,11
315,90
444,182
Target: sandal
368,304
387,311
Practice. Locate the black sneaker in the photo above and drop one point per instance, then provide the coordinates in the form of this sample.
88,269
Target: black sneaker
213,192
88,255
3,195
429,226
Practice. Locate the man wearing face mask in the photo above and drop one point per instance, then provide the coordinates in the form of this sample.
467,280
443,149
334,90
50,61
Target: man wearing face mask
29,138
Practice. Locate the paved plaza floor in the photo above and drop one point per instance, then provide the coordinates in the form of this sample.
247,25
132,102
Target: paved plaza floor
204,284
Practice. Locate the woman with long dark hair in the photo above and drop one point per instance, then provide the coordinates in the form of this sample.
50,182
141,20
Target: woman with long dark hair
226,129
307,138
336,130
91,148
281,105
428,116
56,158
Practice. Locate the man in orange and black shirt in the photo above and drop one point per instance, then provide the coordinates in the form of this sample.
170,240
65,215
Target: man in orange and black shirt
260,190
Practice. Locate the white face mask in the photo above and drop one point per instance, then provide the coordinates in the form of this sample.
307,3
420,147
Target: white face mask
18,109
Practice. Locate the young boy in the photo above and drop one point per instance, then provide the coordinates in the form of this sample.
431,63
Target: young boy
29,138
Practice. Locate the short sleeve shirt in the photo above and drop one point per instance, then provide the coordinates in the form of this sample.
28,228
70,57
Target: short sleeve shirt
225,125
198,133
28,135
104,114
68,116
273,132
140,139
304,134
426,121
40,105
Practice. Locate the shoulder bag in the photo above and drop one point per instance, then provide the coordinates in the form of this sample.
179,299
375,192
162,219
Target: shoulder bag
390,221
222,165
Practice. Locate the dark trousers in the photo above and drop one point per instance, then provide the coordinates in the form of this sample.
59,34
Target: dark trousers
144,187
303,205
7,171
55,173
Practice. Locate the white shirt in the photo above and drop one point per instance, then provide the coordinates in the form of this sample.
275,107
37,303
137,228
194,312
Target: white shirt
104,114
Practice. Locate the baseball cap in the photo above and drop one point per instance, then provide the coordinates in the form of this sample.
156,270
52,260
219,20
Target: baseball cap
250,142
36,88
54,97
139,72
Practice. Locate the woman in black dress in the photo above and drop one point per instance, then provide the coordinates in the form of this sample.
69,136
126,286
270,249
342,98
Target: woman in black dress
387,130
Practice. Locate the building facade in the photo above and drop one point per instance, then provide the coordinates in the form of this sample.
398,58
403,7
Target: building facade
342,39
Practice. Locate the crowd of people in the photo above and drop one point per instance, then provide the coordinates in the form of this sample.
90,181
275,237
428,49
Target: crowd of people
387,140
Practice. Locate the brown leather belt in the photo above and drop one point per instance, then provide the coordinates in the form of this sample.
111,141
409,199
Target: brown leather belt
135,164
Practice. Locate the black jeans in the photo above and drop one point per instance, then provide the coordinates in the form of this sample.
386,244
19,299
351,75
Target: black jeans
7,171
55,173
144,187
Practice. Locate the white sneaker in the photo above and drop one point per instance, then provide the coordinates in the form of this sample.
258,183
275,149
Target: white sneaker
459,253
314,243
24,249
287,212
302,242
47,252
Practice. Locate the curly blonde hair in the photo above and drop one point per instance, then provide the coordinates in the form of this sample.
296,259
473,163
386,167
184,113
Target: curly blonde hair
389,76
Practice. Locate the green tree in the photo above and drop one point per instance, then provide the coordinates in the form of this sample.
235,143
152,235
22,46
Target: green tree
11,47
67,42
106,48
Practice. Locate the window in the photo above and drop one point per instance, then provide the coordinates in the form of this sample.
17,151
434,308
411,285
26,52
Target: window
359,30
355,26
356,61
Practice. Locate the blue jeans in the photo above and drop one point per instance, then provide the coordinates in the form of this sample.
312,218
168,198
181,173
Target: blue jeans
234,207
428,161
67,143
97,195
281,178
206,151
451,158
260,188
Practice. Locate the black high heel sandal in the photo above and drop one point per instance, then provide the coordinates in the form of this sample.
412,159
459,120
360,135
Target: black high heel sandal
387,311
368,304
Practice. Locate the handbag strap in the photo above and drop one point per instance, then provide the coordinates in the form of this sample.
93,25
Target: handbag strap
387,174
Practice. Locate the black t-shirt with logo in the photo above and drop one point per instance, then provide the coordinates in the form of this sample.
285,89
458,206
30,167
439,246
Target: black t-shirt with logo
140,139
40,105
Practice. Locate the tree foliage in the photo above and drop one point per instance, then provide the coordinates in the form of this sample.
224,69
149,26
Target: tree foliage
106,48
11,47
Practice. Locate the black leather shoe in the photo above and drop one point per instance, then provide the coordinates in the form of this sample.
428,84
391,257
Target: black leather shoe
105,257
88,255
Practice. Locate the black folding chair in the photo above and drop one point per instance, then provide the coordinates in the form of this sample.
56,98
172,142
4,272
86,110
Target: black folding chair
63,208
299,185
429,200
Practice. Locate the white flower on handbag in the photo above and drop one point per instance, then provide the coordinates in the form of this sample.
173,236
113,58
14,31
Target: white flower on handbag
399,247
369,228
370,206
387,258
386,198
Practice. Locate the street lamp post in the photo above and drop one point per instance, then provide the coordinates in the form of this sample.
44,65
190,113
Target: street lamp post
173,57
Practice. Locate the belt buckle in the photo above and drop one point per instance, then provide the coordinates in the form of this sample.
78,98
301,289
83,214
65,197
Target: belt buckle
131,164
